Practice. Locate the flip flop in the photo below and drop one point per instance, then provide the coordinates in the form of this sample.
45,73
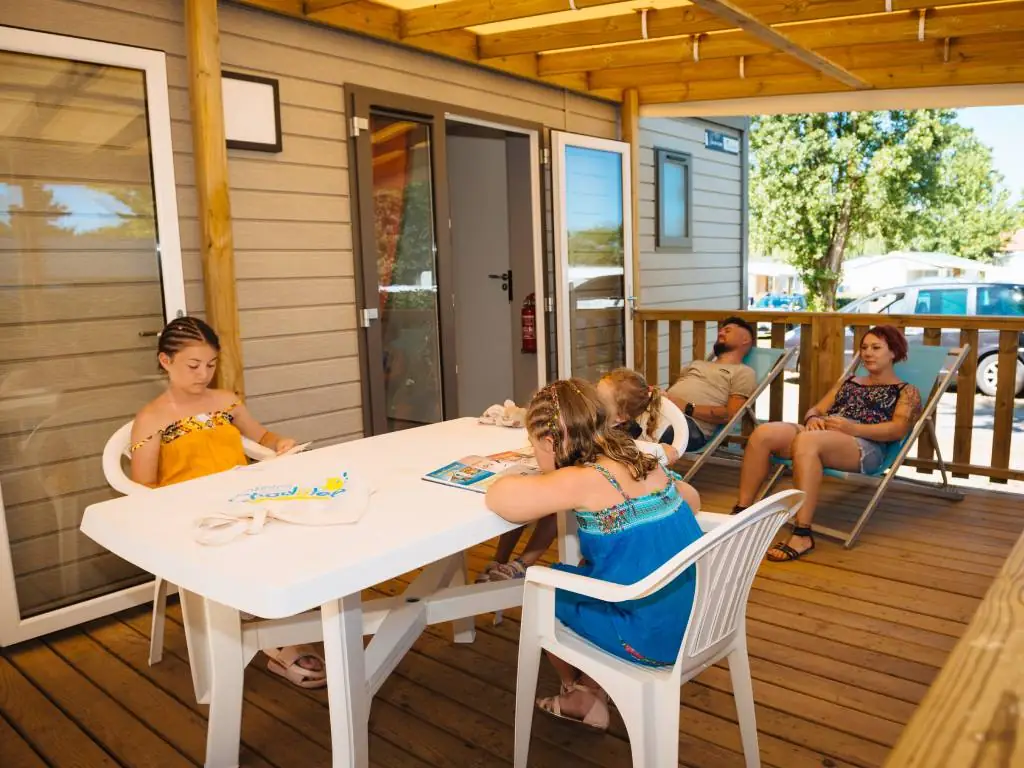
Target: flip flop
285,662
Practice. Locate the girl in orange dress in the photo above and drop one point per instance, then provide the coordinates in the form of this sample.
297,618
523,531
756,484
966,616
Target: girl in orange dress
192,430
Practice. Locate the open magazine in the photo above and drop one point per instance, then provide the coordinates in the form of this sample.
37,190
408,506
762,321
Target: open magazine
478,473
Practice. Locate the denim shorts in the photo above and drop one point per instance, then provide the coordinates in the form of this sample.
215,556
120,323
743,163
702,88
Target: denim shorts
872,454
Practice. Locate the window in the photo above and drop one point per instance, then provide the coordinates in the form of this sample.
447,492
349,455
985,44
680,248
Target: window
674,199
884,303
1001,300
941,301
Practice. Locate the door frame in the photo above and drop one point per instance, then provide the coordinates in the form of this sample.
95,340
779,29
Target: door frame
559,141
534,133
358,100
13,628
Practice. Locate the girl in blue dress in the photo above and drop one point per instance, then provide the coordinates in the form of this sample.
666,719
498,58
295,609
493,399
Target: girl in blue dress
633,518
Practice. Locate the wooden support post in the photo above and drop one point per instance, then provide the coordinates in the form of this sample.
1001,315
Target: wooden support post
211,163
828,355
651,356
1002,431
700,343
630,115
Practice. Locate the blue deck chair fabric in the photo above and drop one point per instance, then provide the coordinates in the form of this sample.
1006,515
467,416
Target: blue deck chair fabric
767,363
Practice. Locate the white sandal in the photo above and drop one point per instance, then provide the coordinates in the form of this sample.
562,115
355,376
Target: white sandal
285,662
597,718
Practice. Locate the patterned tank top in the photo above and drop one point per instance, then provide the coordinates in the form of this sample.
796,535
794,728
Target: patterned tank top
866,403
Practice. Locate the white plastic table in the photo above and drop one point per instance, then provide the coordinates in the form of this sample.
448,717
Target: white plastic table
287,570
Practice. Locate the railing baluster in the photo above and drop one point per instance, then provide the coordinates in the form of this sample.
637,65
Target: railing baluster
776,398
675,351
700,344
859,332
651,353
1006,387
806,369
925,448
966,384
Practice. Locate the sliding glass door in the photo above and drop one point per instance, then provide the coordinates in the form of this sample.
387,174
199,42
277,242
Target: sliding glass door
90,269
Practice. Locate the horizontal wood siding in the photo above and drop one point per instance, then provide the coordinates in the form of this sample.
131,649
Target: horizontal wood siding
292,226
710,274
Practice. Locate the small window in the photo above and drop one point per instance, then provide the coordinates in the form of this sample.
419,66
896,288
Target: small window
885,303
1001,300
674,199
941,301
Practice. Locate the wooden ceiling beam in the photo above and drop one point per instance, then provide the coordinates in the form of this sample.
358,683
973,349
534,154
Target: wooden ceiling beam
315,6
882,79
757,29
893,28
986,48
459,14
675,22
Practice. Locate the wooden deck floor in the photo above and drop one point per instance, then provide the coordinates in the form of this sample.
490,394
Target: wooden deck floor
843,647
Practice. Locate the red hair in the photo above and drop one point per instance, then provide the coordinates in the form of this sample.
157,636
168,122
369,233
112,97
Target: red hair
893,338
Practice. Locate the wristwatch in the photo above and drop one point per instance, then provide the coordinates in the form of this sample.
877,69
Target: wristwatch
688,410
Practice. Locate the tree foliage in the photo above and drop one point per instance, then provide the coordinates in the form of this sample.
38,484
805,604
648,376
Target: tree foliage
821,182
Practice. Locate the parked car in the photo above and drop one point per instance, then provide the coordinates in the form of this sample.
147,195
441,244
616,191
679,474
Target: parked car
782,302
947,297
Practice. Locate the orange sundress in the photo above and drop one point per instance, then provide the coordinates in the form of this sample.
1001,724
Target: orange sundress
197,446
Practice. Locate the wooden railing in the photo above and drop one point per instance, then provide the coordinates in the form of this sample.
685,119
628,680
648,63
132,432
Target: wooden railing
822,360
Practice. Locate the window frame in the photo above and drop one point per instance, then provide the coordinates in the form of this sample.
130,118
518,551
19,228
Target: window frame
663,242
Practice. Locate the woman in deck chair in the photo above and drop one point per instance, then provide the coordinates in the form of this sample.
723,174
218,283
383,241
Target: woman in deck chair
849,430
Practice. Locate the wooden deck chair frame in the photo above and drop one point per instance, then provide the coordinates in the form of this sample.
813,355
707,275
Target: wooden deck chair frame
721,434
887,474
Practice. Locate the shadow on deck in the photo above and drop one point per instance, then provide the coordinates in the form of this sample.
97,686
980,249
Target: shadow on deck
843,647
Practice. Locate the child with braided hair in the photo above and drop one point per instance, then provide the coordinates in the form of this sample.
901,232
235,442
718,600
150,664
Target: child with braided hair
633,517
627,399
192,430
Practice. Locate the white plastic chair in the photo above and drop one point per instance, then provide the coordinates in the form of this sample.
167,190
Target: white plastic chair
726,559
118,447
670,416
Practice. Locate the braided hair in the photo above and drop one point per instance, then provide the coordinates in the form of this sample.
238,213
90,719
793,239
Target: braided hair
634,397
184,331
571,414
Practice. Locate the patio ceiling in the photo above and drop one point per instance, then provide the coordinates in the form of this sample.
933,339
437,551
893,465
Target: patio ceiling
679,51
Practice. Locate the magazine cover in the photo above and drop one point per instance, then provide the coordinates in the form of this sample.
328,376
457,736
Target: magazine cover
478,473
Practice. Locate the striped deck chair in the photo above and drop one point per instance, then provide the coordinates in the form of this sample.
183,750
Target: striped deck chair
768,364
931,370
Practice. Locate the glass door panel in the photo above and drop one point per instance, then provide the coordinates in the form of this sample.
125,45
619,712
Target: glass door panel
82,296
593,253
407,279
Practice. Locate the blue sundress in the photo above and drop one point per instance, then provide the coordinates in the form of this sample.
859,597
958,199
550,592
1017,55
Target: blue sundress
623,544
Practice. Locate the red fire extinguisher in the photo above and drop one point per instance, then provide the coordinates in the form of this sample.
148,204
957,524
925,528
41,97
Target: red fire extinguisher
529,323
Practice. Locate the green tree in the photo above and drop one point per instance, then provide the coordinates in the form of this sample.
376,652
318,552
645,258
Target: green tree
972,214
822,182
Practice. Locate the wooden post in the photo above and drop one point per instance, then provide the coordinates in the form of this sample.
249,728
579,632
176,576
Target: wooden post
675,350
211,163
1002,431
630,116
778,393
965,386
828,355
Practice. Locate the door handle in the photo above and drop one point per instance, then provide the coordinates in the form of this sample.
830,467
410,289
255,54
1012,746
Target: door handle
506,282
148,334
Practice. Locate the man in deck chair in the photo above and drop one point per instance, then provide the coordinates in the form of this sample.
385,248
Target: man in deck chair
711,392
850,429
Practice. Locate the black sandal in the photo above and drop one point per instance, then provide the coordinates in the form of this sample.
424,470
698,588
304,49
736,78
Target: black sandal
790,554
737,508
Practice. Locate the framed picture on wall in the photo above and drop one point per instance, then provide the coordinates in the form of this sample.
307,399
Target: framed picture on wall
252,112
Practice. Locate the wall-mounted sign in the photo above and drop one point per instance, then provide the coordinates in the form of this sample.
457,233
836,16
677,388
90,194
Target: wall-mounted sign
721,142
252,112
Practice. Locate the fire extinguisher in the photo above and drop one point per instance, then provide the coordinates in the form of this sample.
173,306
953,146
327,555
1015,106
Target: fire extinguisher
529,322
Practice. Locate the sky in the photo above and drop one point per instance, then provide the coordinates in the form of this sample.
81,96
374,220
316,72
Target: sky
1000,128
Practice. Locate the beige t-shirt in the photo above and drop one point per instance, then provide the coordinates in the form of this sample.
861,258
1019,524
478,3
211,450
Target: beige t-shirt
710,383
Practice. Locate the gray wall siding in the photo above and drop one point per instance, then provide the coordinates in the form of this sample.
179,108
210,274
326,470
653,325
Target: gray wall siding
710,274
